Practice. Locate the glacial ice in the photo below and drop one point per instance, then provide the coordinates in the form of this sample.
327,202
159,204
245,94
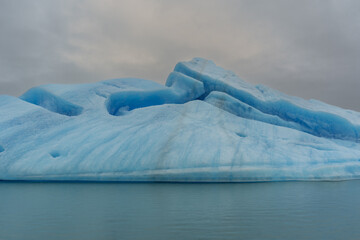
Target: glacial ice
205,124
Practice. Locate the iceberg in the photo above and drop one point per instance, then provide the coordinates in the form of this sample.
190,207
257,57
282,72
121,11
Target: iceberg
204,125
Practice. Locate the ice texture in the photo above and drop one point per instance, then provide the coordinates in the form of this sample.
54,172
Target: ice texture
205,124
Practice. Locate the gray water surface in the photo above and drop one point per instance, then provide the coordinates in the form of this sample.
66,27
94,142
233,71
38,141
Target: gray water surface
288,210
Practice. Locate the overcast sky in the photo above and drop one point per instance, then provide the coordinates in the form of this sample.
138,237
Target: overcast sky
305,48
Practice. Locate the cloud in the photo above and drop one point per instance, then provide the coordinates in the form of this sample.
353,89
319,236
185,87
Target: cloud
304,48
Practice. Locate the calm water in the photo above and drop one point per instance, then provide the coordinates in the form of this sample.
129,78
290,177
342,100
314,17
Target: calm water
292,210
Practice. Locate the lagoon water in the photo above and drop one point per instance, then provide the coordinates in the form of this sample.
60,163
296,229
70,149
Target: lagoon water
283,210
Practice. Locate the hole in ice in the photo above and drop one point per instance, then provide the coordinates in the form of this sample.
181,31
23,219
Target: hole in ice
119,103
241,135
179,89
2,149
54,154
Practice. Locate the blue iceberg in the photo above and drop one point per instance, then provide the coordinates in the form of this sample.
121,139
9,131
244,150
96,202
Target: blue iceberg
205,124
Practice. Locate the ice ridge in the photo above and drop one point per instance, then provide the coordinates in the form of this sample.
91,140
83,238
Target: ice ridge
318,119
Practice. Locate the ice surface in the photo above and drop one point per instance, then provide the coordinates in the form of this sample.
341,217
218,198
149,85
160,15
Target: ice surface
205,124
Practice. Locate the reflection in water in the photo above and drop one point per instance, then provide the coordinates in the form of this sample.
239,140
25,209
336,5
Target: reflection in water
290,210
